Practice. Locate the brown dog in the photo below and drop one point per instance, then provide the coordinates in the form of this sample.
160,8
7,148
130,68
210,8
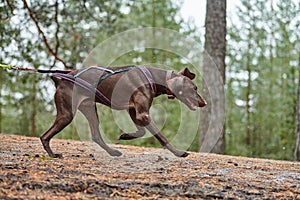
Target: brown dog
128,88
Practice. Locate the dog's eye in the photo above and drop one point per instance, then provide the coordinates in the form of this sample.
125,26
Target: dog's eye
195,88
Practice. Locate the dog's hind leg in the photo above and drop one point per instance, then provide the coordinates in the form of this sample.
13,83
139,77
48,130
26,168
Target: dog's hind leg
89,110
64,117
140,130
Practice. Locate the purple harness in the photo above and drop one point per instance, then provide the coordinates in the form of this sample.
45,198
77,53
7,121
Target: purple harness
93,87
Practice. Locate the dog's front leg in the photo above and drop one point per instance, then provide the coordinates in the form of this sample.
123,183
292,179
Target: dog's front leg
130,136
163,141
140,116
140,130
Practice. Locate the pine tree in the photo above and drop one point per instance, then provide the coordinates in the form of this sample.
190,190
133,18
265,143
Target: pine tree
263,56
212,136
297,130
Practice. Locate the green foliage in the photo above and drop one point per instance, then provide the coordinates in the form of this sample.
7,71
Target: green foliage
262,64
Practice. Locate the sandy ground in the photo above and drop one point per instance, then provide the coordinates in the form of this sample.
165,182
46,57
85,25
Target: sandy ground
88,172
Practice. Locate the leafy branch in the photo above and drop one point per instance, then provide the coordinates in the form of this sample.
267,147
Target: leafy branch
53,52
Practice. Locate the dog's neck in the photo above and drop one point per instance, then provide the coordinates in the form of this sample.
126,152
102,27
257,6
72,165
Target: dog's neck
161,77
169,74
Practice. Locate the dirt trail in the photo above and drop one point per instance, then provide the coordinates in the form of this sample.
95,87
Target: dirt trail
87,172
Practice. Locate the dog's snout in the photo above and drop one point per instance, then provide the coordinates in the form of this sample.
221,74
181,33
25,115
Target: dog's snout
202,102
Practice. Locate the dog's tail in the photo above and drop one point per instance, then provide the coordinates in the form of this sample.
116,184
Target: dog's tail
55,80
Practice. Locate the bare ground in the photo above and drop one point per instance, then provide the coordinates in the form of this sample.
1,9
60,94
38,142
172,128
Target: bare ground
87,172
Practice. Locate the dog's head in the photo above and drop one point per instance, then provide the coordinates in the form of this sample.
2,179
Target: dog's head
185,90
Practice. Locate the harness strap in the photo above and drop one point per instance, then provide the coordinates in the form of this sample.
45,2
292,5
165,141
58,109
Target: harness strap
169,92
94,67
102,78
143,69
93,88
86,85
149,77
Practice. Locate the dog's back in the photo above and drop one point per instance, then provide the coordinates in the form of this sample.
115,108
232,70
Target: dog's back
112,86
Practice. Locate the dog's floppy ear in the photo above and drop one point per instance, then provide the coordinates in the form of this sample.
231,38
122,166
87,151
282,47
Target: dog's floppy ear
186,72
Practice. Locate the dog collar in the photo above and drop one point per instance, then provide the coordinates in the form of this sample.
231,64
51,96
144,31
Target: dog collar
168,77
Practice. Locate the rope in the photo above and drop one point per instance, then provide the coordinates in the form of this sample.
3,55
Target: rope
11,67
6,66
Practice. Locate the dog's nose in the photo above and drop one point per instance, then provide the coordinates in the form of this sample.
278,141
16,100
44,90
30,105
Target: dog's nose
202,103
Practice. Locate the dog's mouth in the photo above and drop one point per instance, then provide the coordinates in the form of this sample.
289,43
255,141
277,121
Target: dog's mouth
194,106
191,105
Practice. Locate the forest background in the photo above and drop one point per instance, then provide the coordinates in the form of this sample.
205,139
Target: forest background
262,63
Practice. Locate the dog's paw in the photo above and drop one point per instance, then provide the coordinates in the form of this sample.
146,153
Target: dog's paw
182,154
115,153
185,154
57,155
126,136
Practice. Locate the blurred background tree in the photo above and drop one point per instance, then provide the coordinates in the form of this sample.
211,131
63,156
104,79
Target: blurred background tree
262,63
213,139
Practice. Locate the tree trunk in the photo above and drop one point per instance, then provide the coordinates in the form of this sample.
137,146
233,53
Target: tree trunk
248,91
1,108
297,148
212,137
33,109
